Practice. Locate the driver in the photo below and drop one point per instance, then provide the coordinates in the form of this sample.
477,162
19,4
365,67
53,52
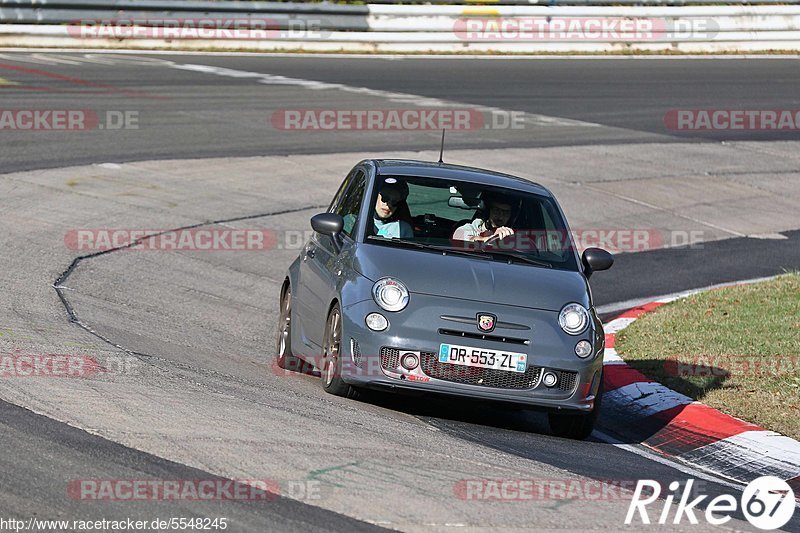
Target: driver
494,227
391,209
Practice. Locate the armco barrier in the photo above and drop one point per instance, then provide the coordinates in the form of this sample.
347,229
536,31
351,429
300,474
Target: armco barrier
402,28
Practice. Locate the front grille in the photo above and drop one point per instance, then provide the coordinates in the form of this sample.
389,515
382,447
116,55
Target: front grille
485,377
566,380
390,358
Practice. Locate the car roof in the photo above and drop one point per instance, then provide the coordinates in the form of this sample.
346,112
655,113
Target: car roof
411,167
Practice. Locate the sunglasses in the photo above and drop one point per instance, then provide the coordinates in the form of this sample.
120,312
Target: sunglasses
391,202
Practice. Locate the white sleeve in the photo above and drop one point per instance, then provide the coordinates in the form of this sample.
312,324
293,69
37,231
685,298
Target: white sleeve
467,232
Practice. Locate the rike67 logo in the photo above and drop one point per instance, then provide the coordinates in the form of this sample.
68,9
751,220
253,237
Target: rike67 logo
767,503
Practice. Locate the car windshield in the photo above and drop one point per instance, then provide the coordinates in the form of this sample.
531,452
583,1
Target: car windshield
437,215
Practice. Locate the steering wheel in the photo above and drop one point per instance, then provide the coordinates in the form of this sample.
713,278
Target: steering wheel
516,241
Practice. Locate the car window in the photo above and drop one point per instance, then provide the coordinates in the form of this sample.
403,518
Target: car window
456,214
340,194
349,203
555,239
424,200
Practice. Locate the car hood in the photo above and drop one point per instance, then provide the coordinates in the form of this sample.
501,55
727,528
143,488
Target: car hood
484,280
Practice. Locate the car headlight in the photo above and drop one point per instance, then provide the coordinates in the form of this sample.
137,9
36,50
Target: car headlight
573,319
390,294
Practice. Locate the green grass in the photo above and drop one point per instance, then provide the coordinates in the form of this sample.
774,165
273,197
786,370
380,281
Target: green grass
736,349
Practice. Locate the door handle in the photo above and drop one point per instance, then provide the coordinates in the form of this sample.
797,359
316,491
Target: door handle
310,253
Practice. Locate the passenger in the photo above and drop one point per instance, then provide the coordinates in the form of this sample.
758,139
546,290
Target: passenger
494,227
391,213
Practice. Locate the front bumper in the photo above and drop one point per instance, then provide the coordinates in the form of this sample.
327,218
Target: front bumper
373,357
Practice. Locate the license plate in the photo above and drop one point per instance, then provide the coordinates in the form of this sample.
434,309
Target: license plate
482,358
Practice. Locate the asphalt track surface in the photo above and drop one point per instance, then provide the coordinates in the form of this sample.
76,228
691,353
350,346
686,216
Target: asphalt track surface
188,118
228,116
29,487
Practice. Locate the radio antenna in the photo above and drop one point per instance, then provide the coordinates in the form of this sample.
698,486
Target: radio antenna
441,150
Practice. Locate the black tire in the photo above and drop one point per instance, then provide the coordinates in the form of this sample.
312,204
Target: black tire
331,371
286,359
576,426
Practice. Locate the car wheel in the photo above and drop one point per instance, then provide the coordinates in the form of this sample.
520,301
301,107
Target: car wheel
286,359
331,371
572,426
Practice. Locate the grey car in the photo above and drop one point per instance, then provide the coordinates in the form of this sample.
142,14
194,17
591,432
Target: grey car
437,278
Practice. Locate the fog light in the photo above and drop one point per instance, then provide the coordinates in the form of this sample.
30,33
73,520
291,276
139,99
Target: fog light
583,349
549,379
409,361
376,322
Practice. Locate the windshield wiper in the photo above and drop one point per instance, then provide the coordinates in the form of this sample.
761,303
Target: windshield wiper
399,240
522,257
426,246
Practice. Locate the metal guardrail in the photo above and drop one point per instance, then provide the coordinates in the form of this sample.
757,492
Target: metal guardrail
393,27
180,6
327,16
77,8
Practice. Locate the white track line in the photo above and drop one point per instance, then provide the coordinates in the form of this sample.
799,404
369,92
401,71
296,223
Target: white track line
763,452
395,97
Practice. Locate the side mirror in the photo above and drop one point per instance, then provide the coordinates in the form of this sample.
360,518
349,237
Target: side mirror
329,224
596,259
